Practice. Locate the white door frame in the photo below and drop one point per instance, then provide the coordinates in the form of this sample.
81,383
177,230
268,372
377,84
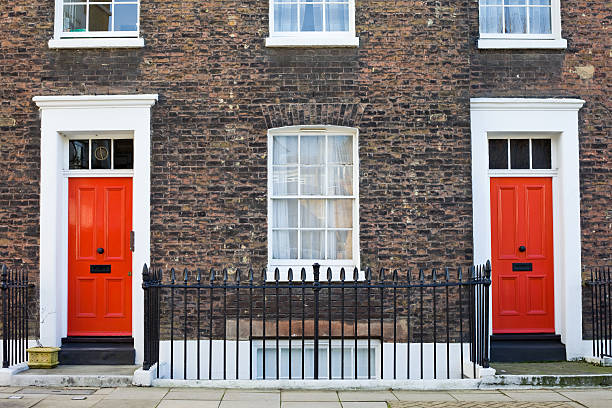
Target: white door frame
68,115
559,118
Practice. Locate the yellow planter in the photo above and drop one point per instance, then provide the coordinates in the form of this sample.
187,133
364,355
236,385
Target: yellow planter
43,357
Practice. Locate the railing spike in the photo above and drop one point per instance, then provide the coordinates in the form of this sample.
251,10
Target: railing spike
355,274
145,272
488,269
213,275
185,275
238,277
290,275
225,275
199,276
303,275
382,275
172,275
329,274
342,274
447,274
421,275
460,273
251,272
264,274
394,276
434,275
369,274
409,275
276,274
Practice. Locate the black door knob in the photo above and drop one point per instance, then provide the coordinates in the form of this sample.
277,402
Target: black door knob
100,251
522,248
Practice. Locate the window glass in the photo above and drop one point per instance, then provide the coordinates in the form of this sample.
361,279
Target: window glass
311,15
317,170
498,153
100,16
515,17
123,154
100,154
78,154
541,154
519,153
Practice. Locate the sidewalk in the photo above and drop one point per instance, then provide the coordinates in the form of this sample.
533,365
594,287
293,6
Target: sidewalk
133,397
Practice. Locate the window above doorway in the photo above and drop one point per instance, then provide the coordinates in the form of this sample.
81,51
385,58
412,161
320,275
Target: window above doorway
520,154
97,24
312,23
520,24
100,154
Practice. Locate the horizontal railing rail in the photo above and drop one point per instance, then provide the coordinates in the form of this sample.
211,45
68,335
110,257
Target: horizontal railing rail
227,325
600,286
14,288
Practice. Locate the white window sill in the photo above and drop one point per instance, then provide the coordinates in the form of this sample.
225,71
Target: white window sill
513,43
96,43
312,41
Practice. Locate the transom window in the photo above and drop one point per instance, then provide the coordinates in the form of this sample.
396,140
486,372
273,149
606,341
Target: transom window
520,154
515,17
96,18
313,196
100,154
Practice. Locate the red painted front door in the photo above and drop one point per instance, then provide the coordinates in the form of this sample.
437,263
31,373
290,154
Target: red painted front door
99,257
522,255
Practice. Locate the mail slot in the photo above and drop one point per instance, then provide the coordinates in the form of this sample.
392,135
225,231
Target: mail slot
522,267
99,269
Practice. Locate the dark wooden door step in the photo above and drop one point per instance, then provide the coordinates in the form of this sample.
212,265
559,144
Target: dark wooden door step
97,351
519,348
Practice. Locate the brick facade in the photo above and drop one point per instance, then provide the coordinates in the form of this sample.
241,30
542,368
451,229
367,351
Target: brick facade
407,88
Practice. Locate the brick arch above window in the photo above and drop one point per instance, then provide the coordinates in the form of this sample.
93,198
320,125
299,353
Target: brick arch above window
339,114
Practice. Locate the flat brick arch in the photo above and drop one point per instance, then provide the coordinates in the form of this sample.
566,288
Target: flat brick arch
333,114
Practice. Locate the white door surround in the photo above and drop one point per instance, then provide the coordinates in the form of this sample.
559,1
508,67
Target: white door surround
63,117
557,119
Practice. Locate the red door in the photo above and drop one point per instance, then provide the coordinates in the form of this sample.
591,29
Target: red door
99,257
522,255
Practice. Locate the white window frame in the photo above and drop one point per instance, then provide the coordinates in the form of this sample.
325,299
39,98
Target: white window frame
93,39
112,172
313,39
527,41
296,264
507,136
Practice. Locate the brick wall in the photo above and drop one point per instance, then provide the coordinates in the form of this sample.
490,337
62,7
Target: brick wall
407,88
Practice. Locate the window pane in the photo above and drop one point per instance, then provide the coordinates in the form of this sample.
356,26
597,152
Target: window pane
284,244
284,180
491,20
312,149
337,17
123,154
100,154
78,154
312,182
313,245
490,2
100,17
540,2
519,153
312,213
340,149
516,18
126,17
541,154
339,245
285,150
285,213
498,154
340,180
340,213
74,18
311,17
539,20
285,17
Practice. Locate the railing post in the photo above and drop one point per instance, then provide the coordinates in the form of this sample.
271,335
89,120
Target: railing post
5,332
487,284
146,364
316,288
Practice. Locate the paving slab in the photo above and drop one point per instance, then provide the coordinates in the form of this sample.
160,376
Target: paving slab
23,403
128,393
199,394
423,396
127,403
311,404
104,391
536,395
362,404
188,404
249,404
232,395
598,394
366,396
67,401
482,404
309,396
480,396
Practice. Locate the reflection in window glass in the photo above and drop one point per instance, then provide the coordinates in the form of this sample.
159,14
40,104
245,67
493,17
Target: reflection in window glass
498,153
78,154
100,16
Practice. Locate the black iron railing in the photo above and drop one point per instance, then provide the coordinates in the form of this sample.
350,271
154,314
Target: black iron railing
600,286
229,326
14,289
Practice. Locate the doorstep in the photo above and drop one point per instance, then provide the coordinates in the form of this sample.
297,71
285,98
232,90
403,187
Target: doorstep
77,376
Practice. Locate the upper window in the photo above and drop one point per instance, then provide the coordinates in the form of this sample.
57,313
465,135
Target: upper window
312,23
96,23
520,24
313,197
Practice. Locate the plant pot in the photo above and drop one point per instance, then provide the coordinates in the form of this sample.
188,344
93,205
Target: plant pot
43,357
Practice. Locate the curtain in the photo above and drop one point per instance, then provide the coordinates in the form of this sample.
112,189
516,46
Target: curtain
285,16
337,17
340,182
284,212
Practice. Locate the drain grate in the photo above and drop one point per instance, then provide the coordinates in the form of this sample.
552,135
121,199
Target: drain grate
473,404
58,391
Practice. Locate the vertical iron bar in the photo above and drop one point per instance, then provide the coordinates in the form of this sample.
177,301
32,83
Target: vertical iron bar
447,326
486,314
199,282
355,282
472,310
369,295
185,325
382,323
250,323
395,324
342,277
290,286
210,323
303,278
146,364
329,325
263,288
435,324
172,278
237,322
460,288
276,279
592,289
225,277
408,322
316,289
421,286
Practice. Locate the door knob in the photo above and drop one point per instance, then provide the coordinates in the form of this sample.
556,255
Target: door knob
100,251
522,248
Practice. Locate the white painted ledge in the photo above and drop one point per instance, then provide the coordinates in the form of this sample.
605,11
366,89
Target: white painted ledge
525,104
94,101
96,43
314,42
526,44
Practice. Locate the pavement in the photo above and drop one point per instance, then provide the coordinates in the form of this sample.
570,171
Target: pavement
134,397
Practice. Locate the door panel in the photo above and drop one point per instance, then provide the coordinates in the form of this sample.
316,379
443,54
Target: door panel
99,217
522,235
